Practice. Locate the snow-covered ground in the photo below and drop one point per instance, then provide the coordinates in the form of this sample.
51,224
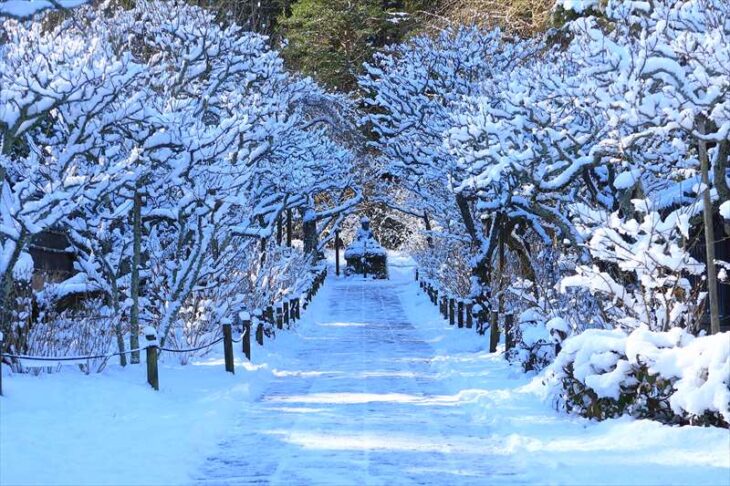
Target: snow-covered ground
371,387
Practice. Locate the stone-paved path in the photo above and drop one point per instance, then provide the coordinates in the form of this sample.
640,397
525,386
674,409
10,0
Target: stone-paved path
358,404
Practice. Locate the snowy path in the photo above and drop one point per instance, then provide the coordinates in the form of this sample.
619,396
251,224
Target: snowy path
358,404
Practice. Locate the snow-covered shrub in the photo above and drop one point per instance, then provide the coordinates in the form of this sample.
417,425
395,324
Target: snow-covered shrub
87,330
546,315
536,337
641,268
669,376
533,348
447,262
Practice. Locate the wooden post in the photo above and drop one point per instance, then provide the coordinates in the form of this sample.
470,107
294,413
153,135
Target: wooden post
153,377
452,311
297,309
279,231
469,315
279,317
493,331
228,348
460,313
246,338
288,227
509,320
435,299
260,333
337,253
416,275
269,314
286,313
445,307
709,231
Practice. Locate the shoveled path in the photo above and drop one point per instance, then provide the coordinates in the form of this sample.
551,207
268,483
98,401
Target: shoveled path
358,404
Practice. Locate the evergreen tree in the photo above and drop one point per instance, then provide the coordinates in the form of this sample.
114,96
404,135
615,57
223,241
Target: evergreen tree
330,39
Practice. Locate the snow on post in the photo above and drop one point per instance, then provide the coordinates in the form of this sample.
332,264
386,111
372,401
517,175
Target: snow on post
153,378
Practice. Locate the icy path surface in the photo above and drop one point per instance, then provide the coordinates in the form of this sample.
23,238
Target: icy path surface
359,403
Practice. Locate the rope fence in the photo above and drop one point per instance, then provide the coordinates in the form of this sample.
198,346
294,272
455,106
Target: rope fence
192,350
287,311
66,358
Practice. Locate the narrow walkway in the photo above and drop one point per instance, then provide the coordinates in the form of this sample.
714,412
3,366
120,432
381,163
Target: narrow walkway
359,404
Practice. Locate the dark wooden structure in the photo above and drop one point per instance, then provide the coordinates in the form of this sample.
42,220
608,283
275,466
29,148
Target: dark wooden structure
53,260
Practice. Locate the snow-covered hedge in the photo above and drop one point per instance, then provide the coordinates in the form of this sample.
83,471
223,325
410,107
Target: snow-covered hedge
669,376
536,339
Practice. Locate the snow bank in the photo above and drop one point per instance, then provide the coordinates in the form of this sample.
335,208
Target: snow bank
498,399
671,376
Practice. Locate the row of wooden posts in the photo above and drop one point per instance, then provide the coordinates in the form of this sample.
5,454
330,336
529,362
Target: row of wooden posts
280,315
461,312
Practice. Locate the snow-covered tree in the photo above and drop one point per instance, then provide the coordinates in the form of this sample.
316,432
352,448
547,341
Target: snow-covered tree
164,143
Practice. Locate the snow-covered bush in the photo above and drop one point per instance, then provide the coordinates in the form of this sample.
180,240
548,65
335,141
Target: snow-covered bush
641,268
446,261
86,330
534,347
536,338
669,376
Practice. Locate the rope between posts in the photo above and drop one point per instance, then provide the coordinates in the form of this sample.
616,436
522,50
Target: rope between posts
190,350
107,356
120,353
240,338
69,358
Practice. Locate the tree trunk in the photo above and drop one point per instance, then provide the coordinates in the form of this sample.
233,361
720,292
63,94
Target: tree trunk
7,283
468,219
134,287
722,160
707,214
427,224
118,323
309,227
262,241
279,231
500,272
